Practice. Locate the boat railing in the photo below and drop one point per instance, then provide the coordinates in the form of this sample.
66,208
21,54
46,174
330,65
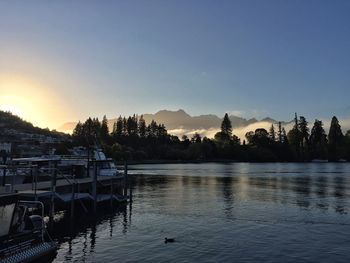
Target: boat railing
35,204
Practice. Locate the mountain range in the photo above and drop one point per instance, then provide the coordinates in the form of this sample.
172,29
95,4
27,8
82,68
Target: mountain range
179,122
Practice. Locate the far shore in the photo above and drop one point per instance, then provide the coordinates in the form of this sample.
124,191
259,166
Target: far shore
133,162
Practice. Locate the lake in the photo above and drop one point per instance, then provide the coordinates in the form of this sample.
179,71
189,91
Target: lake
234,212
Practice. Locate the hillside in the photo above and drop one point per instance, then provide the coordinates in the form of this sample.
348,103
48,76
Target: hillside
12,125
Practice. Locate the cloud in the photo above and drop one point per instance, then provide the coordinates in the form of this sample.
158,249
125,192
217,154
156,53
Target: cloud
238,113
252,113
190,132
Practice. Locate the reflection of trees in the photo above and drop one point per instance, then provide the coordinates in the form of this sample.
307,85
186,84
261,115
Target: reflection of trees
321,191
227,186
302,188
85,228
340,194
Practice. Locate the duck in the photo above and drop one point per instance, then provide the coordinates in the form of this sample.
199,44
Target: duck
169,240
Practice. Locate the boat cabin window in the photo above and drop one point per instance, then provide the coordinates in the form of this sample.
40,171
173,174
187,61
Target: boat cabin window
6,212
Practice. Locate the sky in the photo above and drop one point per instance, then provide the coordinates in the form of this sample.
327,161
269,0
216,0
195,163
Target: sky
68,60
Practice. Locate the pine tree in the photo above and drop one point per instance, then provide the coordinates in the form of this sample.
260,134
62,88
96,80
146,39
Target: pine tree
226,126
279,132
104,130
284,137
272,134
318,140
142,127
118,127
303,136
335,138
125,127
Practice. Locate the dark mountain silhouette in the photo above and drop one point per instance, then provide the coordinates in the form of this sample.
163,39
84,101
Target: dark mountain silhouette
181,120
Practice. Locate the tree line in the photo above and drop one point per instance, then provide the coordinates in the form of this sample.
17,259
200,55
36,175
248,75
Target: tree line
131,138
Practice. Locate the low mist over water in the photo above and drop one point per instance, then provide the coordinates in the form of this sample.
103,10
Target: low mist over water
235,212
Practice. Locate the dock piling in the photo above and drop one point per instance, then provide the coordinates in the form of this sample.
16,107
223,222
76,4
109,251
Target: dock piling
53,191
94,187
4,176
125,178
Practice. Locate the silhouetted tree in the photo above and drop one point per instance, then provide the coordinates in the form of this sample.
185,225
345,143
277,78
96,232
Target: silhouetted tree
226,126
279,132
284,137
335,139
152,129
272,134
142,127
196,138
303,137
104,131
222,137
318,141
185,141
294,138
125,127
118,127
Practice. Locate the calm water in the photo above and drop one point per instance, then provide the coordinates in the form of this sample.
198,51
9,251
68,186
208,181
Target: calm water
221,213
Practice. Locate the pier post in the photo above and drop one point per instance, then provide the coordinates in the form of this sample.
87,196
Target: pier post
94,187
111,191
53,191
4,176
130,187
72,201
125,178
13,179
35,182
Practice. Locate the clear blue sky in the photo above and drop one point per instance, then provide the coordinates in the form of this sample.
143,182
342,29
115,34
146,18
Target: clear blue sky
261,58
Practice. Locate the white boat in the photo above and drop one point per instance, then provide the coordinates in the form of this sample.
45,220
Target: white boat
79,158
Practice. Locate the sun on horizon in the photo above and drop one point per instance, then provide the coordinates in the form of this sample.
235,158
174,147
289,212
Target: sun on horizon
30,100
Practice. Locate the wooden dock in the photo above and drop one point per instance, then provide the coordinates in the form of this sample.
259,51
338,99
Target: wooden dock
63,193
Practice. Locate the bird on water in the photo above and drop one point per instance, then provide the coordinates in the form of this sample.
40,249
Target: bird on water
169,240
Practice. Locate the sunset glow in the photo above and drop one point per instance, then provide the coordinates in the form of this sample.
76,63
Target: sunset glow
29,99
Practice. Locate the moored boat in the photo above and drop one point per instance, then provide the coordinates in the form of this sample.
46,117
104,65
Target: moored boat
23,236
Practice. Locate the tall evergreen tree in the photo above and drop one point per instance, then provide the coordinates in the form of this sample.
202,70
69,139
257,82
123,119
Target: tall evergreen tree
294,138
142,127
279,132
335,139
125,127
226,126
303,137
284,137
272,134
318,141
118,127
104,130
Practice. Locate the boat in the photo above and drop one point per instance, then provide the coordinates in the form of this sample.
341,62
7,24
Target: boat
23,235
82,162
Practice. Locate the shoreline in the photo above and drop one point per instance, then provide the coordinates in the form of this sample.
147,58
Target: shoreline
134,162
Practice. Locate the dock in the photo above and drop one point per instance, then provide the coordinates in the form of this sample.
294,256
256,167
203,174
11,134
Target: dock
65,192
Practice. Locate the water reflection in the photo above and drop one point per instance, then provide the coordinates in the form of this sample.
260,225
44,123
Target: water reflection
209,207
80,235
308,186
